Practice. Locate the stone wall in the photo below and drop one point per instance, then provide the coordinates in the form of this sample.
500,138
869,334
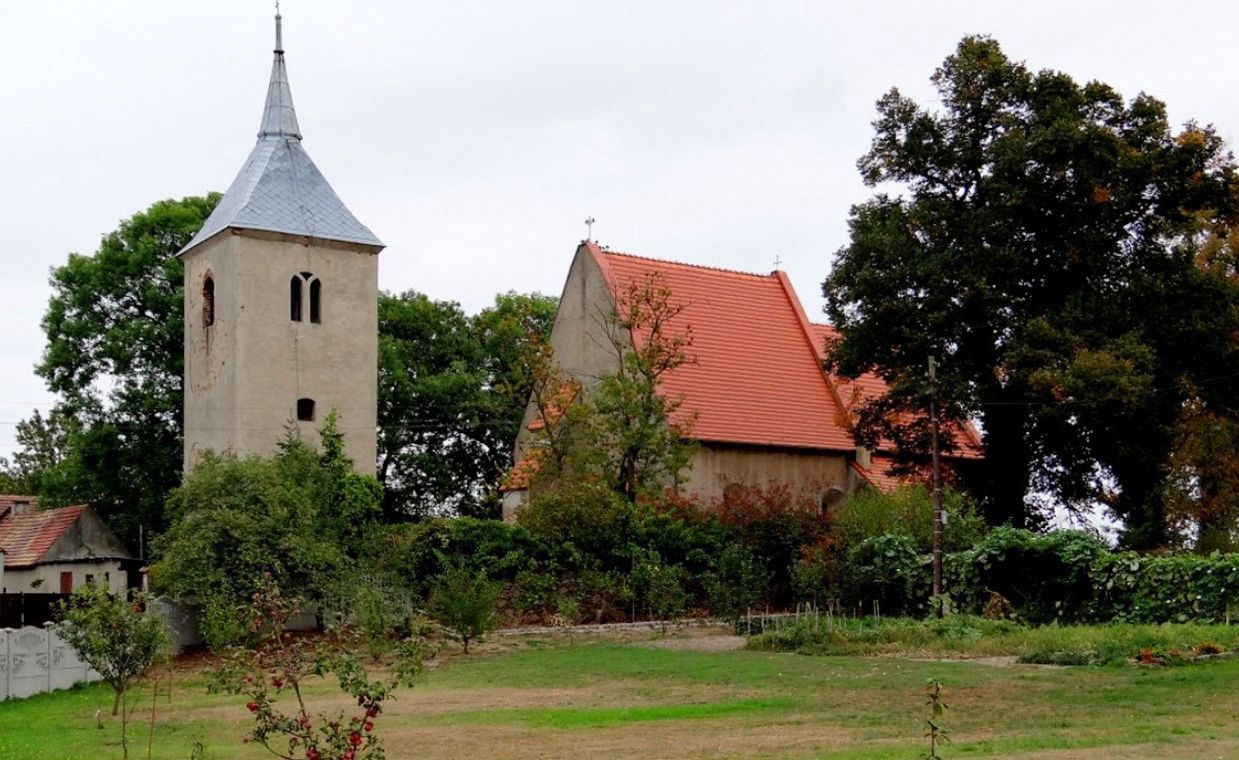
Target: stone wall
35,660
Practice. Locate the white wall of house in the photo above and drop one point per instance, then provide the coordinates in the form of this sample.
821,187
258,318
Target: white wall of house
45,578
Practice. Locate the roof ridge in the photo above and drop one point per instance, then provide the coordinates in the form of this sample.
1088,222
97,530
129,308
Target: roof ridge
725,270
806,331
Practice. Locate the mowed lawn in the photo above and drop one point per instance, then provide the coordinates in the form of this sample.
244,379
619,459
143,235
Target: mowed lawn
551,699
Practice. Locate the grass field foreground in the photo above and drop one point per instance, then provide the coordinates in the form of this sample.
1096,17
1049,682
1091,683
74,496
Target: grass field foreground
540,698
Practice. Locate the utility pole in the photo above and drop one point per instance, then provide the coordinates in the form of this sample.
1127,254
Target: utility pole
939,517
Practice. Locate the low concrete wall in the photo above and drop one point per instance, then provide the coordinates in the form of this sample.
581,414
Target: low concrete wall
35,660
182,620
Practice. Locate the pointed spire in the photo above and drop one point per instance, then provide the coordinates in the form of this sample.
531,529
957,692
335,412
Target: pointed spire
279,189
278,117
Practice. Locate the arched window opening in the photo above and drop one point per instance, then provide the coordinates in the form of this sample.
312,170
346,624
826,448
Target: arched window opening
208,301
316,308
305,409
832,501
294,299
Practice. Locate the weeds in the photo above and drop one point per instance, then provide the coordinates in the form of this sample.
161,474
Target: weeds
968,636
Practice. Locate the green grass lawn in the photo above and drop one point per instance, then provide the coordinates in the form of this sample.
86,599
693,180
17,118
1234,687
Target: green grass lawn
615,699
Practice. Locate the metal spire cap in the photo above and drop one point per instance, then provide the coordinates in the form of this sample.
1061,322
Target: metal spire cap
278,116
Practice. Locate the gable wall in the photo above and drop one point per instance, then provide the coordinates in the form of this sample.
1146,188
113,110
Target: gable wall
578,337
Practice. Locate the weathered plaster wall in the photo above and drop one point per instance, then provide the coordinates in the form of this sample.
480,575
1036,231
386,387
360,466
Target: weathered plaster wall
45,578
578,336
87,538
813,472
245,373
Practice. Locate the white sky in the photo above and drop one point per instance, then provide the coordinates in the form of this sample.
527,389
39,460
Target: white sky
474,138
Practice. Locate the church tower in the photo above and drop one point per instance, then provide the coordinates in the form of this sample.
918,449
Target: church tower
281,303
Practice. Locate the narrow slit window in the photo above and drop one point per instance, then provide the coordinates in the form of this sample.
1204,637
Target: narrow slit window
294,299
316,309
305,409
208,302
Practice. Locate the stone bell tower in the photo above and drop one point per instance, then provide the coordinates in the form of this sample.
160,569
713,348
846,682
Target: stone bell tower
281,303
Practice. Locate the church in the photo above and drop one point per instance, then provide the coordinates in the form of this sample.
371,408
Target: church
753,396
281,303
281,328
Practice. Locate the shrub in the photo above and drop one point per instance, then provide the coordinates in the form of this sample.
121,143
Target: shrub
736,584
464,602
1045,577
888,569
587,521
776,523
816,576
907,511
1171,588
661,587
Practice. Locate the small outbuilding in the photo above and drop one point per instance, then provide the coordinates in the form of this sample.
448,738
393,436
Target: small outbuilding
53,551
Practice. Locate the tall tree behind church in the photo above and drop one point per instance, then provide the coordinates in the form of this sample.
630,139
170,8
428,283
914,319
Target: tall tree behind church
114,356
1041,246
452,391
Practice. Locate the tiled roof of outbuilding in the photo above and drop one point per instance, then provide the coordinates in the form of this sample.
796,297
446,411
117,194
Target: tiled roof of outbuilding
26,538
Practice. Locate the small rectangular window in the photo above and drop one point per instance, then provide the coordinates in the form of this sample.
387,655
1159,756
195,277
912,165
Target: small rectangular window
305,409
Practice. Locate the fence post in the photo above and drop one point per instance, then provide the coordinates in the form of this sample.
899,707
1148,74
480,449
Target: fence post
47,628
4,663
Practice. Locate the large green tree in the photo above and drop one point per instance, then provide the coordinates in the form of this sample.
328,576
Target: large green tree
44,445
452,389
1037,236
114,357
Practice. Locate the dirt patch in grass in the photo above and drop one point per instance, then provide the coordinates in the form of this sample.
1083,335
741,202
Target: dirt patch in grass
669,739
698,643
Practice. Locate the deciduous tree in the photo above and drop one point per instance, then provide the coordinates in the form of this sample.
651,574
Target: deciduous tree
621,429
114,355
1041,246
116,638
452,389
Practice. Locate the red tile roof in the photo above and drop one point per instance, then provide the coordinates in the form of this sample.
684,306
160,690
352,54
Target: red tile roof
869,386
520,475
26,538
879,475
754,377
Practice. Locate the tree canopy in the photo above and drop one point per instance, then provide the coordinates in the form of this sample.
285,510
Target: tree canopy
114,356
452,389
617,430
1040,238
299,515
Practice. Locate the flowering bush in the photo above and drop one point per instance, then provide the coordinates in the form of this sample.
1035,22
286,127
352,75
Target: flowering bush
278,666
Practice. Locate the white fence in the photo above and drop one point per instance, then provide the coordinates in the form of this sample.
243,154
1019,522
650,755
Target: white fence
35,660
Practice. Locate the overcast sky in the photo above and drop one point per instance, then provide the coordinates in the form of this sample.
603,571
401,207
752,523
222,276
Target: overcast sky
475,138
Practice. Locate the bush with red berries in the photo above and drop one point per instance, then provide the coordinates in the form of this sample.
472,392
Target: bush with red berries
276,667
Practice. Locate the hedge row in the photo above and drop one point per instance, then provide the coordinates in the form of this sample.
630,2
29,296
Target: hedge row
1063,576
